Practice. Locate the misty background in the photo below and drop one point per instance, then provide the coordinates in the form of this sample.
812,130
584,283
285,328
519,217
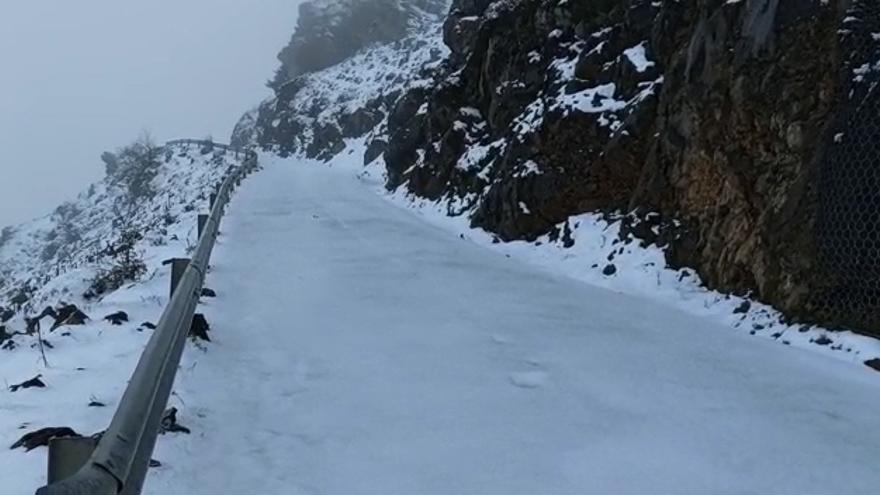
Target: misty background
79,78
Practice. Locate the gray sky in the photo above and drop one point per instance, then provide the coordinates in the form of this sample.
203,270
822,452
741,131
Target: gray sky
80,77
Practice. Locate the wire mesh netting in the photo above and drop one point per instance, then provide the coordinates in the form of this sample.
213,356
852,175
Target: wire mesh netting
848,223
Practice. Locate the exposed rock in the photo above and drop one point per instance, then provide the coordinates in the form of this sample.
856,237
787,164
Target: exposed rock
743,308
33,382
715,114
738,136
206,292
95,403
68,315
873,364
6,341
148,325
609,270
117,318
40,438
19,300
374,150
200,328
329,31
169,423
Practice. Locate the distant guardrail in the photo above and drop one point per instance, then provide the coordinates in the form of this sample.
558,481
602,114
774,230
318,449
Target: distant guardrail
118,462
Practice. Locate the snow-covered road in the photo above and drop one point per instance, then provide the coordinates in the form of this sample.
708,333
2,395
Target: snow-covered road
360,350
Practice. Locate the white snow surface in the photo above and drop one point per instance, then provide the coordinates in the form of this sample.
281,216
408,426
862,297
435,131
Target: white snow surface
360,349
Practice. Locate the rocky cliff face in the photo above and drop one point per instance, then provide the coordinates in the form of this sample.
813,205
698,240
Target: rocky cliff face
720,116
735,134
329,31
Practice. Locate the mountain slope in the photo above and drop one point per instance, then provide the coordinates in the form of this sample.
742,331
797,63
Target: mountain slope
55,257
87,361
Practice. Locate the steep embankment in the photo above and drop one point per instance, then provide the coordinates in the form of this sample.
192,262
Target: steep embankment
729,133
113,237
115,233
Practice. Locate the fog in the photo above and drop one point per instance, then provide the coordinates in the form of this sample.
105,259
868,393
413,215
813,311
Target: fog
82,77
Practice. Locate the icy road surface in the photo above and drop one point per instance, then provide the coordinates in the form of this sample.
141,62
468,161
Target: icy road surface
359,350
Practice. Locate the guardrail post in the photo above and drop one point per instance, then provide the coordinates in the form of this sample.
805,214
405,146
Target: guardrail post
68,455
178,266
203,220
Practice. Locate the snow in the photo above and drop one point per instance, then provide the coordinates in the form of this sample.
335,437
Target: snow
591,100
637,57
359,349
369,343
93,361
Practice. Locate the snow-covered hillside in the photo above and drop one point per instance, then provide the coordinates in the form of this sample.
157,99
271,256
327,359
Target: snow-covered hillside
57,259
315,113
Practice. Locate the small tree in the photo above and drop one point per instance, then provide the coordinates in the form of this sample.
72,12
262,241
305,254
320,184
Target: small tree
135,166
127,266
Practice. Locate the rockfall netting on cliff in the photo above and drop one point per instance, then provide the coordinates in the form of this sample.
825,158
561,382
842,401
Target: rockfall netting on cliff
848,224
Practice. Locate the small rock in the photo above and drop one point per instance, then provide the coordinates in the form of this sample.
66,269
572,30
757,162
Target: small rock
154,463
33,382
117,318
200,328
95,403
743,308
874,364
169,423
40,438
609,270
68,315
148,325
206,292
823,340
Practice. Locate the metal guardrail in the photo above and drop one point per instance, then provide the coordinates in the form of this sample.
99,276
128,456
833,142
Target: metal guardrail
120,460
208,144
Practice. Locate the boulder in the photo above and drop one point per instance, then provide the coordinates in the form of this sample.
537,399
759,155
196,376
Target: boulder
40,438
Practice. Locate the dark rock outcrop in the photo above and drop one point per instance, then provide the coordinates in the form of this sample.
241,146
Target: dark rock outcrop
169,423
40,438
69,315
329,31
737,136
33,382
200,328
117,318
721,116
